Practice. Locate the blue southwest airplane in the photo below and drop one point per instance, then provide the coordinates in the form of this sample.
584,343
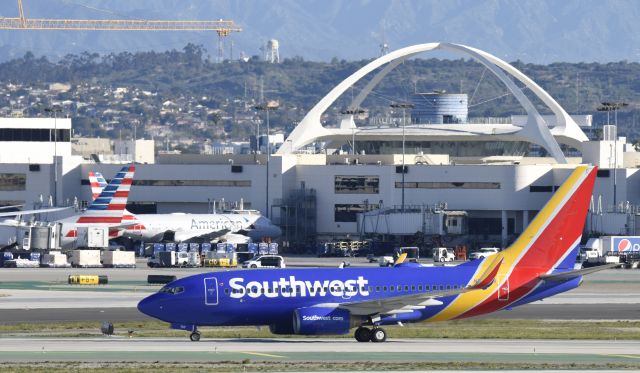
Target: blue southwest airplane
537,265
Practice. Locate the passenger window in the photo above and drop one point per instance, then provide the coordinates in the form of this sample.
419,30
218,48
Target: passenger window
391,288
413,288
378,288
441,287
370,289
226,291
406,288
384,288
427,287
448,287
419,287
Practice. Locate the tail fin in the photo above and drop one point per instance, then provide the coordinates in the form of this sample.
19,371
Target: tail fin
98,183
557,229
110,204
547,242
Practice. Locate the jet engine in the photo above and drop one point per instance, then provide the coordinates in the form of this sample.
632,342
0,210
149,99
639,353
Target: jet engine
323,320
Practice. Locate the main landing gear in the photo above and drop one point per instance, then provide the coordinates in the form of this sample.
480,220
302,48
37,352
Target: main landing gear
376,334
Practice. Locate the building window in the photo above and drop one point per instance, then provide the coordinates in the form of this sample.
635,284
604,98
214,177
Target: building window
357,184
346,213
540,188
448,185
12,182
35,134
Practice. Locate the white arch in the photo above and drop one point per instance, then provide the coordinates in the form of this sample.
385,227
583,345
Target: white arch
535,130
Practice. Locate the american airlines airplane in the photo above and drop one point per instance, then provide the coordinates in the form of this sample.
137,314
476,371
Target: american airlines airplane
539,264
106,210
235,227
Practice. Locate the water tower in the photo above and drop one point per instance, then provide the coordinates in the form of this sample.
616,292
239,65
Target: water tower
273,53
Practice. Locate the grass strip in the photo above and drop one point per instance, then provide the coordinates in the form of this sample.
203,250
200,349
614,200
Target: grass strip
459,329
308,366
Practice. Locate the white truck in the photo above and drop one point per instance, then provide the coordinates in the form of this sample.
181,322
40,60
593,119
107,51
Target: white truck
265,261
612,249
443,254
484,252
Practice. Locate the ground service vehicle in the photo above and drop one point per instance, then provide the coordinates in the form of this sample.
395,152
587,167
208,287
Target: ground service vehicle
265,261
483,253
443,254
321,301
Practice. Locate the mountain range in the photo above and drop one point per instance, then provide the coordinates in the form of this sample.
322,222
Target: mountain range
535,31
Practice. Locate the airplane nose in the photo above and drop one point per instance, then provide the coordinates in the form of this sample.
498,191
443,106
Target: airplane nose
150,307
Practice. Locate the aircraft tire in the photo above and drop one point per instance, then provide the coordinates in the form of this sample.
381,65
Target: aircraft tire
254,266
362,334
378,335
194,337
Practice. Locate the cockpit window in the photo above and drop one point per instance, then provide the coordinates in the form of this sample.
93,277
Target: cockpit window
172,290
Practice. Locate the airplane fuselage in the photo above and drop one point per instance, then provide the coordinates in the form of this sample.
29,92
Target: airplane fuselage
151,227
270,297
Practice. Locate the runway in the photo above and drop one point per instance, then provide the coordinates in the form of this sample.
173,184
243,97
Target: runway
402,350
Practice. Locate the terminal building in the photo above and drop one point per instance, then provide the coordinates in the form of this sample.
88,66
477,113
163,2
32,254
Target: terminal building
481,179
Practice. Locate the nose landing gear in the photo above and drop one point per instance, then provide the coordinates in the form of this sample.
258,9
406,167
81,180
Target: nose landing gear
194,336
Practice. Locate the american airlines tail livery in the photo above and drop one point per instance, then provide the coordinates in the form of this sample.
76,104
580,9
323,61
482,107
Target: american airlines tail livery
106,210
308,301
236,227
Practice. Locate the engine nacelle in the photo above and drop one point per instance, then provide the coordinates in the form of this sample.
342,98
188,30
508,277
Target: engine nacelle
322,320
283,328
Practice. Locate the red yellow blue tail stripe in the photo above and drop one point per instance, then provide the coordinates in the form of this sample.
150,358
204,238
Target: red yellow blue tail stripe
551,235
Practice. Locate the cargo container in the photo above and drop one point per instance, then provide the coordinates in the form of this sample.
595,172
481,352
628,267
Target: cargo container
54,259
119,259
205,248
85,258
93,237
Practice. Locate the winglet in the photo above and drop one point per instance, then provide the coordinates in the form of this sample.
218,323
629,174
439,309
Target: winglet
489,274
401,259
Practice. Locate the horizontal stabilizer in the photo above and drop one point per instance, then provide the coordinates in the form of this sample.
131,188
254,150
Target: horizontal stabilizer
565,276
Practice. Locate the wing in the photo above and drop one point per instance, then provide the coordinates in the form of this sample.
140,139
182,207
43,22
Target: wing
565,276
412,302
33,212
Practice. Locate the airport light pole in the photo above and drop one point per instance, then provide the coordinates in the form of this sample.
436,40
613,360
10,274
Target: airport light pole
404,106
268,106
609,107
55,110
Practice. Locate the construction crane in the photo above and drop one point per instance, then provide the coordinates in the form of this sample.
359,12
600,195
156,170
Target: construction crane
222,27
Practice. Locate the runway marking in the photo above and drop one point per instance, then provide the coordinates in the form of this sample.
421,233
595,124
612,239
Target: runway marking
625,356
262,354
